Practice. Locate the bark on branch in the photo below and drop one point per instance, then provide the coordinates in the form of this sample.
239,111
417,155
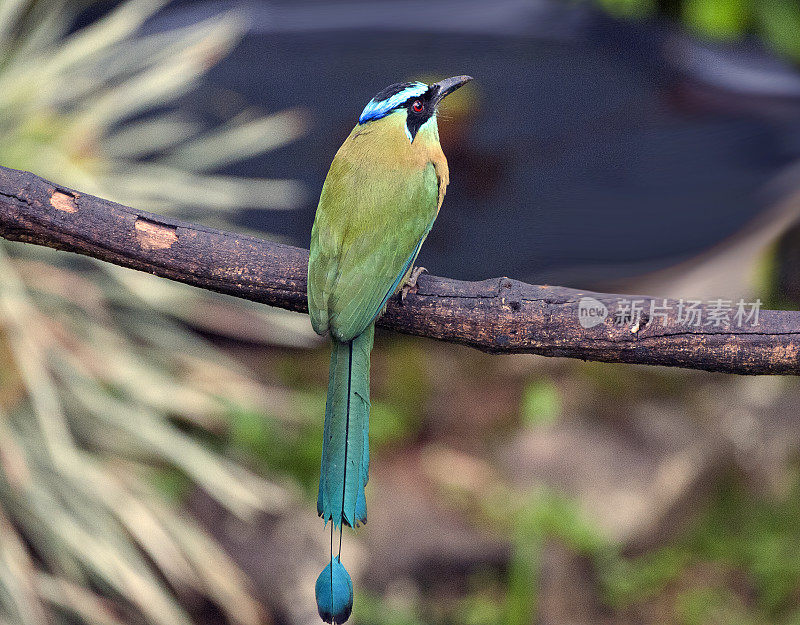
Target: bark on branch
498,315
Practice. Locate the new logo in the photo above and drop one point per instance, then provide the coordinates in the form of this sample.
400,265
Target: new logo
591,312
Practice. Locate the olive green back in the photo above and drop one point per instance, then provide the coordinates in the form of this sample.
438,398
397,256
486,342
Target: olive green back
374,212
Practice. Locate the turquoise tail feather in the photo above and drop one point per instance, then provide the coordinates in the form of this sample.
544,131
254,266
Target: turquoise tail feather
334,592
345,451
345,464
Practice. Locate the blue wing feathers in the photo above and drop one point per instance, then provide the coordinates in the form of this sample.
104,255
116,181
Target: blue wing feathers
403,272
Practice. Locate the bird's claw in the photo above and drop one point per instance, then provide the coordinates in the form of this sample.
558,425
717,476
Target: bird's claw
411,283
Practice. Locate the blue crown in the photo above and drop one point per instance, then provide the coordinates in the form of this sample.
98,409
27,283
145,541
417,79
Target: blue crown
390,98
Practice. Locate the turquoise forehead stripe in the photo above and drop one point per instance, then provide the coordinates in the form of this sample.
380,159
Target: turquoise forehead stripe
376,110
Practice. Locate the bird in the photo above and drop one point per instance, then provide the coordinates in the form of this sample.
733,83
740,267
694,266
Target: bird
378,203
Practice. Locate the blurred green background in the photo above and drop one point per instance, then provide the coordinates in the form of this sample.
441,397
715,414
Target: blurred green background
776,22
160,445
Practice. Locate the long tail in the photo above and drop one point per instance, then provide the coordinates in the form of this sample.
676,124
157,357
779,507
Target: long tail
345,464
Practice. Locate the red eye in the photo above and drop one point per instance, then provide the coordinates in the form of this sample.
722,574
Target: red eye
417,106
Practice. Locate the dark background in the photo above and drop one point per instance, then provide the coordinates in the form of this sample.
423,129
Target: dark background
590,149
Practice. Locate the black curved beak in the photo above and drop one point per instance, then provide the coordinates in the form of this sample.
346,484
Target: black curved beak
448,85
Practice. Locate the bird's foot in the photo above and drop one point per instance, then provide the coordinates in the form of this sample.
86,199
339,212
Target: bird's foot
411,283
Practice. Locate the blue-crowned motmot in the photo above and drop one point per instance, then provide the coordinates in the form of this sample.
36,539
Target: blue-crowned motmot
378,203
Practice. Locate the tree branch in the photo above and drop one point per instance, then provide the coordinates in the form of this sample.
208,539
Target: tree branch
498,315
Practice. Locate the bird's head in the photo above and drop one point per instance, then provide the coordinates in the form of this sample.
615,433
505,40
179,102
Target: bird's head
416,102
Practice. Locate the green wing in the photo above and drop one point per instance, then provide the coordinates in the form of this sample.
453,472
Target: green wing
366,235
